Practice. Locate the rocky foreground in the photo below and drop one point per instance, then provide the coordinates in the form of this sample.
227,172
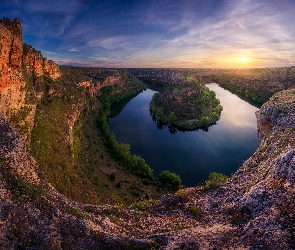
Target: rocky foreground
255,208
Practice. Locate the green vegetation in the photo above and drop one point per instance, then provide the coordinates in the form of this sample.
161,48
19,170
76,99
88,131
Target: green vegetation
74,211
121,152
18,120
257,95
186,106
143,205
21,187
170,181
215,180
50,143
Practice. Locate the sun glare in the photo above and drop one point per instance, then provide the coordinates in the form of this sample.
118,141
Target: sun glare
244,59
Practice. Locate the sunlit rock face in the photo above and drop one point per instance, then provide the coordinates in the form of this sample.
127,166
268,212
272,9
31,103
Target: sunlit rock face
35,62
17,62
11,81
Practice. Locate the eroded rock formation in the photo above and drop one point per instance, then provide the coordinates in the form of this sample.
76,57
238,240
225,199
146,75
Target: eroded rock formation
19,61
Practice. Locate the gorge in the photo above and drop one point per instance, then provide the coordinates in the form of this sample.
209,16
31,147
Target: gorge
56,187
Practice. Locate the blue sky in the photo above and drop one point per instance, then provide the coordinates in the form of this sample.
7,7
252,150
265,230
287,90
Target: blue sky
159,33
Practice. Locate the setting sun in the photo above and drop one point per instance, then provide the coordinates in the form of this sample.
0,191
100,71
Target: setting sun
244,59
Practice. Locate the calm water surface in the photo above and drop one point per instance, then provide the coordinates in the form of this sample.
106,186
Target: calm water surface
193,154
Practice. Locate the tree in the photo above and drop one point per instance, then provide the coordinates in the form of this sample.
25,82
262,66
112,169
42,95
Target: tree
169,180
215,116
204,120
160,113
172,118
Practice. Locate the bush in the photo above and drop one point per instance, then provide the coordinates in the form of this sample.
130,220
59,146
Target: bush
74,211
215,180
204,120
169,180
196,211
143,205
241,216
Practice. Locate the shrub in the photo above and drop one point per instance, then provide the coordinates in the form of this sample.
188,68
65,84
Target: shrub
196,211
215,180
186,194
169,180
143,205
172,118
204,120
241,216
74,211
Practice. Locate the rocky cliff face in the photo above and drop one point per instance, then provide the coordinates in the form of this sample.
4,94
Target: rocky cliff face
18,62
11,81
35,62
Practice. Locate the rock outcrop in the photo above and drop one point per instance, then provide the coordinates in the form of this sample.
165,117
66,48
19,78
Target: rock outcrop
11,81
35,62
18,62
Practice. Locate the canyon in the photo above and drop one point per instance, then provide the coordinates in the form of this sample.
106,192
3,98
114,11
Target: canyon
253,209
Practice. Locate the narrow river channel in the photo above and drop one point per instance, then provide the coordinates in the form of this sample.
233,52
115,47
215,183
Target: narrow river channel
192,154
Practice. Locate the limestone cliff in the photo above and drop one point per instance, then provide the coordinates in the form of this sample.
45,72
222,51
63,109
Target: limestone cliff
19,62
11,79
35,62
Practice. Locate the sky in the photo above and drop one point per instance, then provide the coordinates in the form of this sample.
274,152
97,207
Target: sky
159,33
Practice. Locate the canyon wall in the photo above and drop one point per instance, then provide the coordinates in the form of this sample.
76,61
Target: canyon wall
20,64
11,79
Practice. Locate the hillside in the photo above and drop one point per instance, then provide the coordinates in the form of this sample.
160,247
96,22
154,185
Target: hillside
253,209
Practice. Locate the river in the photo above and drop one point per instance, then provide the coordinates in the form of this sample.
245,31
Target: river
191,154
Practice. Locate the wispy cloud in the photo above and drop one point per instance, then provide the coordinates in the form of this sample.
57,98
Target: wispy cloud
188,33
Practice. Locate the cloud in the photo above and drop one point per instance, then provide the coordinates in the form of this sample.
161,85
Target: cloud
74,50
161,33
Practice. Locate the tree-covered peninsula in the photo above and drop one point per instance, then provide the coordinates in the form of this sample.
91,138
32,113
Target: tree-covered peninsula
189,105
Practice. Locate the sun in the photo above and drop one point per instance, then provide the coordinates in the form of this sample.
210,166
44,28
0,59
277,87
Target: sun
244,59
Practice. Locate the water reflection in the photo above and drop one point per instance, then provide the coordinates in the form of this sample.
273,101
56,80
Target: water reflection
192,154
173,129
237,111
